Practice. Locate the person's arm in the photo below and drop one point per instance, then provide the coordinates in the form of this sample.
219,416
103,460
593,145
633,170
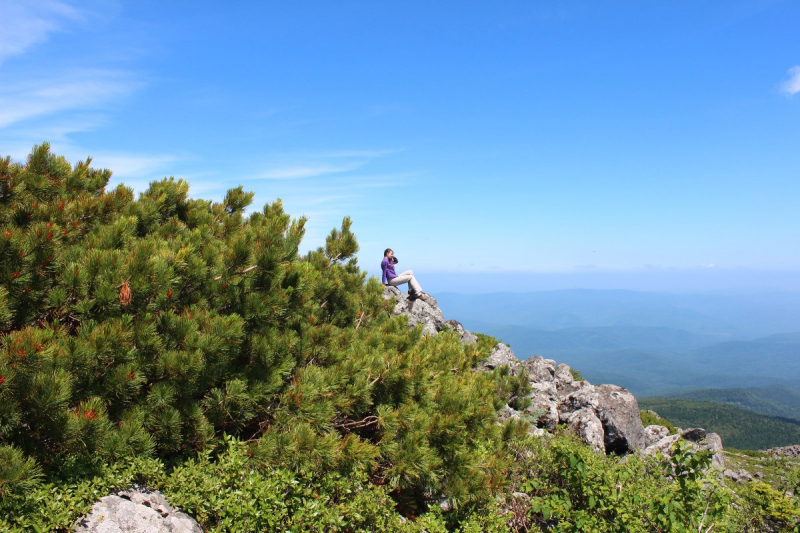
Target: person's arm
384,263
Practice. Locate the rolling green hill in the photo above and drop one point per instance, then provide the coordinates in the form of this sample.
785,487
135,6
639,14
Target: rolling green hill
771,401
738,428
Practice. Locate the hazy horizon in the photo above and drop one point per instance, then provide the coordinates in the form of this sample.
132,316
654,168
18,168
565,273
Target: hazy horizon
677,281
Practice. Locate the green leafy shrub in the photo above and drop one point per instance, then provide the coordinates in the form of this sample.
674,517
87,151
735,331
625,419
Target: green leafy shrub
650,418
766,509
572,488
576,375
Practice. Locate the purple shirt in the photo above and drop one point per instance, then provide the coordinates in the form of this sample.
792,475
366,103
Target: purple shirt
388,269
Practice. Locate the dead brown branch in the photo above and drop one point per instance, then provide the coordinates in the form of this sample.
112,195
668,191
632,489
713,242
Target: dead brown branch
243,271
358,424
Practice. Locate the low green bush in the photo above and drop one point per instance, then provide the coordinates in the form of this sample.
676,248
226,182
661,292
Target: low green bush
650,418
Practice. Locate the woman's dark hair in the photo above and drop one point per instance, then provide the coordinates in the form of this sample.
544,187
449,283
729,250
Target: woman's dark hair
386,251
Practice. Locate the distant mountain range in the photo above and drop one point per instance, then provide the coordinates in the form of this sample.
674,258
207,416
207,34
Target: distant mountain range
654,344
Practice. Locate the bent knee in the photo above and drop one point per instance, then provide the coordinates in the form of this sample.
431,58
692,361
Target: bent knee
410,272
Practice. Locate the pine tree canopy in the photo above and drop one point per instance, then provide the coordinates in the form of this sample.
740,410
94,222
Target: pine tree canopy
156,326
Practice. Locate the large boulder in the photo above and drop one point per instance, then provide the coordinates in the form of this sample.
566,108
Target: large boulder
545,410
466,336
585,423
654,433
502,356
710,442
581,398
539,369
662,446
425,312
618,409
563,375
136,510
697,438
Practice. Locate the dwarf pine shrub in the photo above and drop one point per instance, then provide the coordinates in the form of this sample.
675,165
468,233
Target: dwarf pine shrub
188,345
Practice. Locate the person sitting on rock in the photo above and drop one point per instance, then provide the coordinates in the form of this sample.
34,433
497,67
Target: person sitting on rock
391,279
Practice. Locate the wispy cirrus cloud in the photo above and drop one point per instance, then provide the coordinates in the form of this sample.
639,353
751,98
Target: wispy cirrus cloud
137,170
792,85
26,24
357,153
85,89
54,101
133,166
305,171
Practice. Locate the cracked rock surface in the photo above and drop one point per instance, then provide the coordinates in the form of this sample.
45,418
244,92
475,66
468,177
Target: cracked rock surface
136,510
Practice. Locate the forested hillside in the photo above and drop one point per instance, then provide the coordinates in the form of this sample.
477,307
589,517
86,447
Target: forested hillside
188,346
771,401
739,428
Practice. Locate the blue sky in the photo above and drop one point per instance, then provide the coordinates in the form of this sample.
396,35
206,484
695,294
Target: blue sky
493,145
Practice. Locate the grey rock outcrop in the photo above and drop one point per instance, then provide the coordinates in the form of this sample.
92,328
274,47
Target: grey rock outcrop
793,452
466,336
604,416
540,370
544,411
662,446
739,476
618,410
136,510
585,423
425,312
502,356
654,433
698,438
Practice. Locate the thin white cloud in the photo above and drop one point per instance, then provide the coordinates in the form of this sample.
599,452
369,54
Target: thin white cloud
26,24
358,153
305,171
78,90
136,171
792,85
133,165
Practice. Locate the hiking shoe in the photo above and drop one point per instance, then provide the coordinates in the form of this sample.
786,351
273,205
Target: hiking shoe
422,296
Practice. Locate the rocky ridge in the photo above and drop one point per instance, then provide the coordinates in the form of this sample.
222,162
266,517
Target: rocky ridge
792,452
604,416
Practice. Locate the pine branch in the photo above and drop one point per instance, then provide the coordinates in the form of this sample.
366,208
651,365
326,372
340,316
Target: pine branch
243,271
358,424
